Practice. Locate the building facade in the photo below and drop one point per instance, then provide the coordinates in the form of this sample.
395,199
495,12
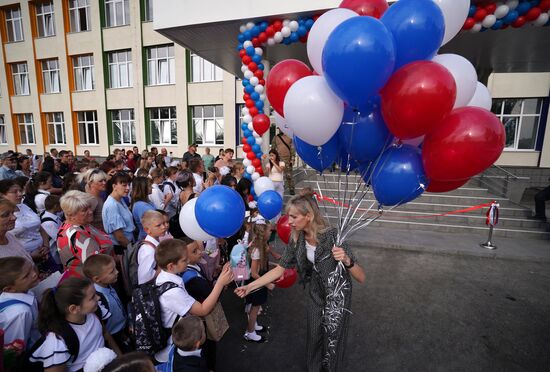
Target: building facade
94,75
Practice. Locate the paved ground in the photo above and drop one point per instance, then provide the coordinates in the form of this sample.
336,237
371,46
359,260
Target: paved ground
418,311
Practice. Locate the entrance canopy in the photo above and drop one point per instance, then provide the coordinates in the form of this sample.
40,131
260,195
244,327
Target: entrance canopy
209,28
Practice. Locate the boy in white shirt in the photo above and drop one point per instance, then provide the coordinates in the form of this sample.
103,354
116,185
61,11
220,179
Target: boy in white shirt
155,225
171,257
18,306
51,223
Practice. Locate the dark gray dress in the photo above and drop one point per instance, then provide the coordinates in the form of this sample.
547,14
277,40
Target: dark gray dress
326,327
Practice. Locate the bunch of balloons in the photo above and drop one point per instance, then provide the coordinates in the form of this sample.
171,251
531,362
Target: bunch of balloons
380,99
255,123
499,15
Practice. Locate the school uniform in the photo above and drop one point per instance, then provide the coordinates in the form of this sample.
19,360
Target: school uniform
51,224
40,199
54,351
19,320
116,322
174,303
170,187
147,265
189,361
116,215
157,197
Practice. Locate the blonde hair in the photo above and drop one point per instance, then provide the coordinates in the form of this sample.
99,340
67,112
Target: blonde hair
91,175
150,216
304,204
74,201
259,241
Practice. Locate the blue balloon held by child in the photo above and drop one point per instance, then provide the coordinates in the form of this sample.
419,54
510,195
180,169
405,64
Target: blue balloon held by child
220,211
270,204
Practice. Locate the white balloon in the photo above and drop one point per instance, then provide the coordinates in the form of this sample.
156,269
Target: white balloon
255,176
313,110
250,126
259,89
244,68
259,141
482,97
464,74
320,32
293,25
254,80
476,28
247,43
270,41
286,22
262,185
245,111
249,25
278,37
250,169
501,11
285,31
262,97
248,74
247,162
247,119
282,124
189,224
541,20
489,21
512,4
255,135
259,51
455,13
242,28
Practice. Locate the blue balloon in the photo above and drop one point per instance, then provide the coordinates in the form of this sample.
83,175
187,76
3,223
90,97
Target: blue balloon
245,82
302,31
345,161
398,176
244,126
247,175
260,111
247,35
251,140
259,104
287,40
417,27
261,66
257,58
358,41
270,204
241,38
365,171
309,23
294,37
523,7
247,133
220,211
497,25
263,25
256,148
250,51
363,134
259,154
472,10
317,157
510,17
254,96
249,88
239,47
255,31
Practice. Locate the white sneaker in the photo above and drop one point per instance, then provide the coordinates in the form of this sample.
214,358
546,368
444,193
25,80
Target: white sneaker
258,328
252,336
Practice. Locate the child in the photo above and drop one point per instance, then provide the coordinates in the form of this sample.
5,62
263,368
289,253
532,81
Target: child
71,330
37,190
155,225
101,270
167,234
18,306
171,257
188,335
257,251
51,223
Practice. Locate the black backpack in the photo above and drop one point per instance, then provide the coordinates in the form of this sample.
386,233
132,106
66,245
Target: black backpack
28,200
149,334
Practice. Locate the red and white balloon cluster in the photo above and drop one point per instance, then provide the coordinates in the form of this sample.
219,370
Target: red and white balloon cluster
501,15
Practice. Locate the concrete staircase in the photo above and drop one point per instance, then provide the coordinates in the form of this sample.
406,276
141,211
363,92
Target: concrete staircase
415,215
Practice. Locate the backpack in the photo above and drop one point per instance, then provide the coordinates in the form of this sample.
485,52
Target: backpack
28,200
149,334
4,305
172,186
45,219
133,261
239,263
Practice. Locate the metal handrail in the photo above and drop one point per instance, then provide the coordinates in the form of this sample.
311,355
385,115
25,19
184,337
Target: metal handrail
510,173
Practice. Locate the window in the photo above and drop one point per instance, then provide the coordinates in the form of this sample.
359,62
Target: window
3,133
161,66
14,24
87,127
83,67
20,74
208,125
45,19
148,10
124,129
120,69
56,128
117,12
26,129
520,117
163,126
202,70
79,15
50,76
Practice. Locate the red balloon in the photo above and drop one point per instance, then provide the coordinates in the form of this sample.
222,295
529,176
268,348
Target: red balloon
259,74
259,170
480,14
469,23
544,5
277,25
519,22
533,14
249,103
303,39
262,82
253,111
270,31
250,155
490,8
262,37
242,53
288,279
283,228
261,123
416,98
444,186
244,141
250,198
246,97
281,77
246,60
467,141
373,8
247,148
252,66
256,162
255,42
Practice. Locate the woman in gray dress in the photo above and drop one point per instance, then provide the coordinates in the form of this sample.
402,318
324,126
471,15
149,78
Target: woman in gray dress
313,252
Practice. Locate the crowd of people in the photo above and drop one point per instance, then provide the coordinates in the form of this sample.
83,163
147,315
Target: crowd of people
90,251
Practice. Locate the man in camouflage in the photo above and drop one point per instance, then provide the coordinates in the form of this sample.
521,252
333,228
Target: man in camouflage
284,146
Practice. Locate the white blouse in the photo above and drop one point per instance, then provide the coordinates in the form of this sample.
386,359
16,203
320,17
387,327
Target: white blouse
27,228
310,251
